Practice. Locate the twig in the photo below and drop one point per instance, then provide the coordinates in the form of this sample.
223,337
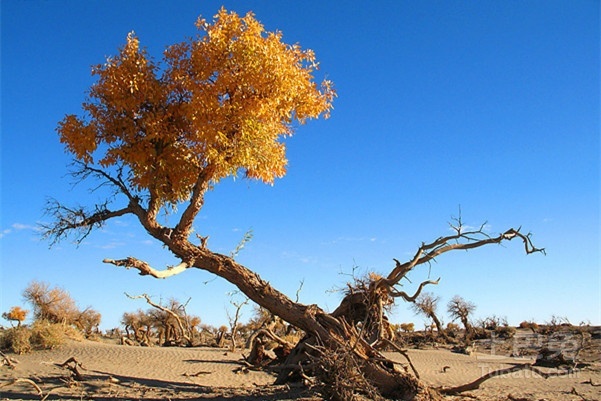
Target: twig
201,372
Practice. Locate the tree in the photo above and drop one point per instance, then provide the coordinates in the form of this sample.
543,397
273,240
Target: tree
461,309
53,305
427,303
15,314
161,136
88,321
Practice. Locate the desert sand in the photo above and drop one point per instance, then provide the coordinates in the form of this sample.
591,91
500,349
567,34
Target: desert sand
116,372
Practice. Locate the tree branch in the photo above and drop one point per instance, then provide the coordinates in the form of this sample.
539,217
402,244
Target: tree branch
145,269
408,298
184,227
471,239
516,368
76,220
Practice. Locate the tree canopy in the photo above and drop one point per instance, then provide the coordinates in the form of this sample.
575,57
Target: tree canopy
216,105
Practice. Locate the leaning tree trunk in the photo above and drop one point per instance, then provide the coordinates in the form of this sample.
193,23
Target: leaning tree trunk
333,331
439,327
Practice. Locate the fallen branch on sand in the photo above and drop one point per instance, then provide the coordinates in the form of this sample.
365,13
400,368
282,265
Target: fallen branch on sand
8,361
72,365
28,381
516,368
590,381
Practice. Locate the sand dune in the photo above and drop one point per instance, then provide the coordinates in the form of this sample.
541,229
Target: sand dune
122,372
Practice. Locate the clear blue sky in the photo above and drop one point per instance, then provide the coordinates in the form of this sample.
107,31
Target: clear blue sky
489,105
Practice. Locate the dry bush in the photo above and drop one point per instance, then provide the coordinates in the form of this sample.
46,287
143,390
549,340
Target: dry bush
505,331
16,339
529,325
407,327
47,335
54,305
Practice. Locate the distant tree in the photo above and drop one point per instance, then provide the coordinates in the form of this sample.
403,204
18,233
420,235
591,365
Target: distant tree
426,304
162,135
53,305
16,314
88,321
234,319
461,309
408,327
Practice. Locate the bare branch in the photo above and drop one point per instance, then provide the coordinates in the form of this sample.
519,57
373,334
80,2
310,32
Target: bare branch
461,240
77,221
408,298
476,383
84,171
145,269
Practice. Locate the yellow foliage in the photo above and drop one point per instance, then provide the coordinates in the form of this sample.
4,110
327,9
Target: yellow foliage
218,105
16,313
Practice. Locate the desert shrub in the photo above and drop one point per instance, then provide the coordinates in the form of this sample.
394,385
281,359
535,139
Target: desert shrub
47,335
505,331
50,304
408,327
529,325
479,333
492,323
16,339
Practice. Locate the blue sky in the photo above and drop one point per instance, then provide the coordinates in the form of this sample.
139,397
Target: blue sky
491,106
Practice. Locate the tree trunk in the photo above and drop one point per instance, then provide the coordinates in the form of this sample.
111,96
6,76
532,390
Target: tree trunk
332,330
439,328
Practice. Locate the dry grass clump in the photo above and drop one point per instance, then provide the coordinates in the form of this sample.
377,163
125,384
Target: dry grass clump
16,339
40,335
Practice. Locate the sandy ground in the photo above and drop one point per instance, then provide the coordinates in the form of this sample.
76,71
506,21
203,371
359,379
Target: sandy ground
114,372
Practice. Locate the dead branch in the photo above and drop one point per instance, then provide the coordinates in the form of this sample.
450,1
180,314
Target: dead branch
516,368
72,365
28,381
459,241
76,219
403,294
590,381
146,270
8,361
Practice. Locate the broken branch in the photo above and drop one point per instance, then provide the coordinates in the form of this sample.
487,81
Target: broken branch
145,269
